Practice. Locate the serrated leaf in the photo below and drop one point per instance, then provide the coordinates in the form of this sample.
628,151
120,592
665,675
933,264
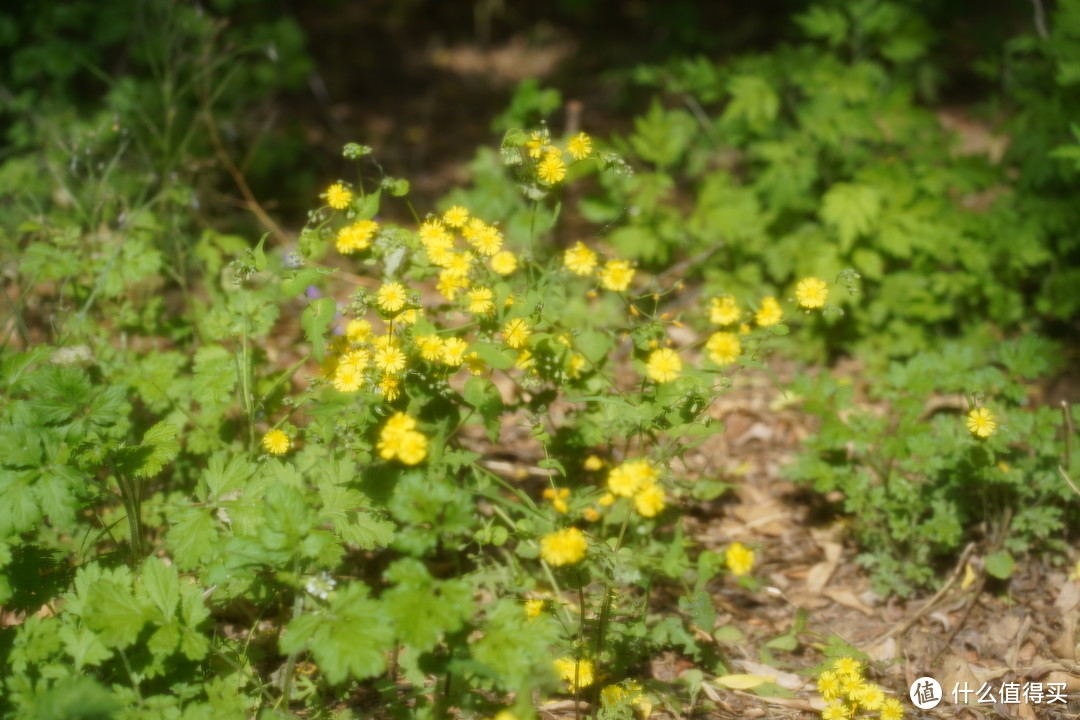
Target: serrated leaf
753,101
349,639
214,375
423,608
114,612
661,136
851,210
161,585
221,477
160,446
192,536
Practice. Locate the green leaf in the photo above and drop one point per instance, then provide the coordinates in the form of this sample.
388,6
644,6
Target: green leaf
315,319
1000,564
221,478
298,281
660,136
160,446
753,101
851,210
349,639
193,536
214,376
422,608
498,359
161,585
83,646
482,394
114,612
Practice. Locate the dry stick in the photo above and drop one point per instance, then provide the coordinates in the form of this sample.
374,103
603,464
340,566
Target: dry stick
906,625
238,177
963,619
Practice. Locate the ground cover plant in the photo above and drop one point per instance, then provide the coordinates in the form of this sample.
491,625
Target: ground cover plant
369,451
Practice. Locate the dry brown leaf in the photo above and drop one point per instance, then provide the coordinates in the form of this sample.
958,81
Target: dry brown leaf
847,599
786,680
820,573
1068,598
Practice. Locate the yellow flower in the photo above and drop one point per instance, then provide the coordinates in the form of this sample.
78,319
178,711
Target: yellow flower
431,347
456,216
505,715
626,479
338,196
836,711
453,351
390,387
576,364
770,312
475,363
649,500
563,547
487,241
558,498
536,143
891,709
829,685
276,442
723,347
579,146
606,500
432,232
347,378
391,297
663,365
616,275
590,515
358,358
503,262
847,667
357,331
516,332
981,422
400,439
533,608
579,259
739,558
356,236
575,673
593,463
724,310
390,359
480,300
450,283
871,698
524,360
551,169
811,292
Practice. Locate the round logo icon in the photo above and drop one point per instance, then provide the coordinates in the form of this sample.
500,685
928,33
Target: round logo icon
925,693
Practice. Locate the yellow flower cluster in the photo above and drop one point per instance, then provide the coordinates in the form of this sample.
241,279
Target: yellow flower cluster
637,479
400,439
550,166
847,692
558,499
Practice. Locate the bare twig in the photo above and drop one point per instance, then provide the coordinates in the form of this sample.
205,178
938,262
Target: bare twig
1040,19
929,604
